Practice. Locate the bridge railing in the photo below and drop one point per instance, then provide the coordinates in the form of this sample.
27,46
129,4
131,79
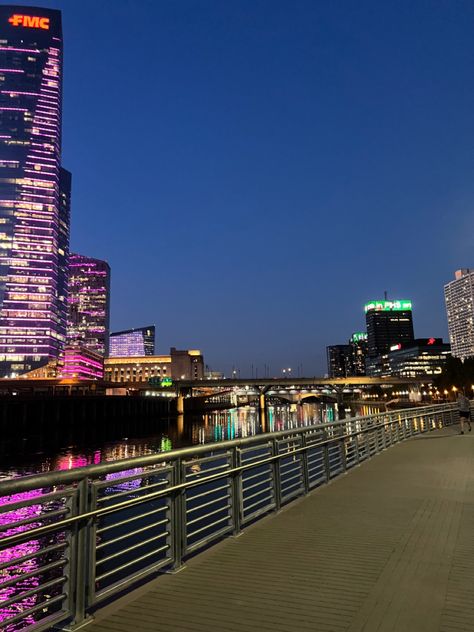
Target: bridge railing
70,540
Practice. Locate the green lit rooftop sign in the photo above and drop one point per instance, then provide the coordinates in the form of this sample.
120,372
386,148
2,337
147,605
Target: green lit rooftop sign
359,336
387,306
160,381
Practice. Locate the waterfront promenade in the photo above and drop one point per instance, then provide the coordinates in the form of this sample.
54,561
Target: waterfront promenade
387,547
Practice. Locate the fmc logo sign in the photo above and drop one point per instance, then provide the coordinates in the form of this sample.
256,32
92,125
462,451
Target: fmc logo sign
29,21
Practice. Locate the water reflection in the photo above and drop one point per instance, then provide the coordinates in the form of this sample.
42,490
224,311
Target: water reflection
11,568
174,433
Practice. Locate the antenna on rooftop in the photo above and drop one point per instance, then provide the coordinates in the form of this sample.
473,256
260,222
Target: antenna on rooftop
385,295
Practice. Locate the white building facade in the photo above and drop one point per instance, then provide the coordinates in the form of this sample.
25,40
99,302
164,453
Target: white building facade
459,297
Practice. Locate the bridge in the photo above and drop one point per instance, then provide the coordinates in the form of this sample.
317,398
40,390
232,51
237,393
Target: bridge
361,525
294,390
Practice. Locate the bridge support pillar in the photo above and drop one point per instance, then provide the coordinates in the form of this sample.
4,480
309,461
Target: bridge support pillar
180,425
341,411
262,411
180,404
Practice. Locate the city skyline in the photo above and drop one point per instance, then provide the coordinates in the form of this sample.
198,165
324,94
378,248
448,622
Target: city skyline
277,144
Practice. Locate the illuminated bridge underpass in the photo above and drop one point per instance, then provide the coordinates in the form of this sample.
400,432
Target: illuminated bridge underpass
388,546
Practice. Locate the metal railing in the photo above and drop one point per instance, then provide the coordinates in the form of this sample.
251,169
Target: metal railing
70,540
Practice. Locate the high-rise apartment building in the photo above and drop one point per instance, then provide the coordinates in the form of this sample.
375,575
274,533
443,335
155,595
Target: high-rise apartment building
388,323
459,297
133,342
89,303
34,190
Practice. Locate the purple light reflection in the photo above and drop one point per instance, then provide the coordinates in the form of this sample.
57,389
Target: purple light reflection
17,569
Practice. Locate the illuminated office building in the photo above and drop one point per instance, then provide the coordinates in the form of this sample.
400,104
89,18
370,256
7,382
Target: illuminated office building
459,297
388,323
423,358
34,191
338,359
358,353
133,342
89,303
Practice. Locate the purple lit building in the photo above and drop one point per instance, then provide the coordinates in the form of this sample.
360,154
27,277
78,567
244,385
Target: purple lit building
34,191
89,303
82,364
133,342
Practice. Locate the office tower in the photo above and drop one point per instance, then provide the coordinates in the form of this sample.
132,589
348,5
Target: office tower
133,342
156,369
338,358
459,297
358,353
425,357
388,323
34,191
89,303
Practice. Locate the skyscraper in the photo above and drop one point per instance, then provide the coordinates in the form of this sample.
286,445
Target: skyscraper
459,297
133,342
358,353
338,359
89,303
34,190
388,323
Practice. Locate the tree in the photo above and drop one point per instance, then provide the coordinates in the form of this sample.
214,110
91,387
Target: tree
456,373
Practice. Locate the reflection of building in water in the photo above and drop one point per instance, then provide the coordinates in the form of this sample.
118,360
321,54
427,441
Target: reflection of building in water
185,365
183,432
17,569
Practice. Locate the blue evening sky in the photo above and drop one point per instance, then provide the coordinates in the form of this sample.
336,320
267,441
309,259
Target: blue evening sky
255,170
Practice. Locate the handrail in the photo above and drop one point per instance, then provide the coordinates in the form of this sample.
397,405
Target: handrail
18,538
40,531
235,483
24,483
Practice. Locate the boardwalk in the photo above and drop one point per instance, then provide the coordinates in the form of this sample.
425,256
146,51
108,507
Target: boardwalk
387,547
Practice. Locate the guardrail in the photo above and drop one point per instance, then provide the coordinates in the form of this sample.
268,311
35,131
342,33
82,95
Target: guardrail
70,540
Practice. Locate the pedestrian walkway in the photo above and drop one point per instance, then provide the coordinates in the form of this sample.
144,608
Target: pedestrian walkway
389,547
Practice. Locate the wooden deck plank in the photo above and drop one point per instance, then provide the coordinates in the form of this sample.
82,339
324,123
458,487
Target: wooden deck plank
389,547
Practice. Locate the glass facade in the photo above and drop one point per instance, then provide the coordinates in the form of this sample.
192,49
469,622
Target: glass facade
34,191
133,342
89,303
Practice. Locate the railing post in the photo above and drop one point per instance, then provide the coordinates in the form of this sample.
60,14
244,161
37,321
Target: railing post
342,443
305,463
236,492
80,543
356,446
276,475
327,464
178,516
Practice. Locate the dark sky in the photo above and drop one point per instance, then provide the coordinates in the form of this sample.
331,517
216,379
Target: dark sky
254,171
